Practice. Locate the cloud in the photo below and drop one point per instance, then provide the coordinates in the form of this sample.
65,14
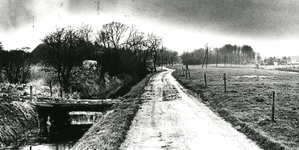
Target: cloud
15,13
272,18
238,17
237,21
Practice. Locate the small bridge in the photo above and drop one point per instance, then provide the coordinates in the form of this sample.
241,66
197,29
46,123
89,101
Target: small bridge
59,111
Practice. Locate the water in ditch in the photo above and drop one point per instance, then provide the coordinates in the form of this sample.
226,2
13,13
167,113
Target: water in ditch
49,137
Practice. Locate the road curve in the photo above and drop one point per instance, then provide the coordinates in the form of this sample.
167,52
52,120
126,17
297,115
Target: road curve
171,119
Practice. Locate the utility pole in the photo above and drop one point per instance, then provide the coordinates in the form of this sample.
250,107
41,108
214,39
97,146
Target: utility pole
225,60
217,58
207,53
162,57
206,57
33,17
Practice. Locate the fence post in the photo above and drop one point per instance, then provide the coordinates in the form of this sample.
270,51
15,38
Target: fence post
61,94
71,90
51,89
224,78
205,77
179,71
189,75
31,93
273,106
186,74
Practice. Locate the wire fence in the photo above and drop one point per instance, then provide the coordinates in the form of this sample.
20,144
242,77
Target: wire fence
276,88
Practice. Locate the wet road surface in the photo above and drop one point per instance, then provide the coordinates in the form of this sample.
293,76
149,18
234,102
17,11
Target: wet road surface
173,120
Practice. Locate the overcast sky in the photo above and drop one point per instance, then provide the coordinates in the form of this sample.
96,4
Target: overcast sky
271,27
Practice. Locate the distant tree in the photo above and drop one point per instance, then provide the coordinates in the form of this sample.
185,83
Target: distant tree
152,43
16,65
248,53
259,58
170,57
111,35
193,58
117,41
289,59
1,46
108,42
269,61
1,55
135,40
186,58
284,60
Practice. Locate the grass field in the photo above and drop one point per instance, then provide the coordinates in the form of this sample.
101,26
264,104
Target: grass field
249,101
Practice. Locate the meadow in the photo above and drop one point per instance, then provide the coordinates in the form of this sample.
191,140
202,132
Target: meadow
248,101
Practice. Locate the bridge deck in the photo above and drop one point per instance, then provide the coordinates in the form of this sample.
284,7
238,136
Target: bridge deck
76,104
81,102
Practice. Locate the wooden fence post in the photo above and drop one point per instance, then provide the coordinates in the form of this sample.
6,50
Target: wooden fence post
224,78
273,106
205,77
61,93
51,93
31,93
186,74
189,75
179,71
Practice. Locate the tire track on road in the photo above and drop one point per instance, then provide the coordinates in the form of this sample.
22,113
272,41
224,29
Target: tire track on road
171,119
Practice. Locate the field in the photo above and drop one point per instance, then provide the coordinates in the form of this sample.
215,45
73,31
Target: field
248,101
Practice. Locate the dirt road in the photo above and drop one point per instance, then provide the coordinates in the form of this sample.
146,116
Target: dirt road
171,119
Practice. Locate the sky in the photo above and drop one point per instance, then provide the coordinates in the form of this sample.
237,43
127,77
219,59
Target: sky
270,27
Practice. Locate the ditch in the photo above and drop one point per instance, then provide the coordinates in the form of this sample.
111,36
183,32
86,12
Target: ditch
49,137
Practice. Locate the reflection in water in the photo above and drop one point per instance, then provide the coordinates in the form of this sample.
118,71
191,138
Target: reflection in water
64,137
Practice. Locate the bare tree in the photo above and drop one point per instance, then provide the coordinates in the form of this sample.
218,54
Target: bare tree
152,43
16,65
111,34
63,50
134,40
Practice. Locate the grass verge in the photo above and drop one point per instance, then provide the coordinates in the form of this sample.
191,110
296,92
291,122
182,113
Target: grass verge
248,102
110,131
16,119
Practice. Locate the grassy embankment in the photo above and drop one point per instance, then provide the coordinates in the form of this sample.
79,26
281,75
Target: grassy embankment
289,69
110,131
16,119
248,102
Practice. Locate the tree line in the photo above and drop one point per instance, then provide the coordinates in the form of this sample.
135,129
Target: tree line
228,54
116,47
14,65
274,60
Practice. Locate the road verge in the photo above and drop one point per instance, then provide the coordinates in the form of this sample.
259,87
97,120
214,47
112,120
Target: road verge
207,95
110,131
